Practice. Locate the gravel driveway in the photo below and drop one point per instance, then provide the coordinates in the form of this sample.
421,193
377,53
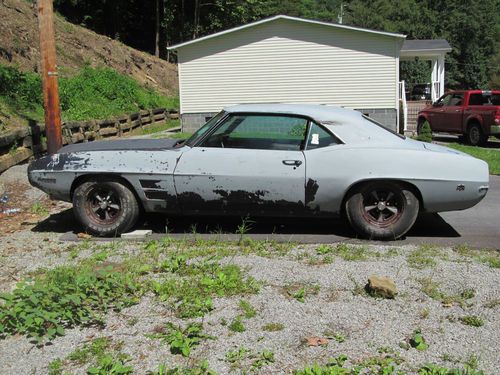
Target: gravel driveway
309,304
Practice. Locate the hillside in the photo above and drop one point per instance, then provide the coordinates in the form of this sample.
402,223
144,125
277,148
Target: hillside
77,47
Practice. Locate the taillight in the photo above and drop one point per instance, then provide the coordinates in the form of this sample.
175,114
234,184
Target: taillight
497,116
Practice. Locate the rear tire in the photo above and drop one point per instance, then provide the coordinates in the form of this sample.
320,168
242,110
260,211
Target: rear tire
105,207
382,210
475,136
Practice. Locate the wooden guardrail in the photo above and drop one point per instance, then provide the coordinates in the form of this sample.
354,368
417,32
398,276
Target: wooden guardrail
21,144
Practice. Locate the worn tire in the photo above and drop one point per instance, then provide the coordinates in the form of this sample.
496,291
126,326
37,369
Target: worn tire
105,207
475,136
363,210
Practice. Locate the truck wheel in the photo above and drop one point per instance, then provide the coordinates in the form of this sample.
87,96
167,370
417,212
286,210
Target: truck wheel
382,210
105,207
475,136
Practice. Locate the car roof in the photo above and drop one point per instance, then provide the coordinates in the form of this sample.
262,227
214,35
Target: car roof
320,113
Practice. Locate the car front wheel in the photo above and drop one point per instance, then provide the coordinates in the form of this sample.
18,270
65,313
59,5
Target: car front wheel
382,210
105,207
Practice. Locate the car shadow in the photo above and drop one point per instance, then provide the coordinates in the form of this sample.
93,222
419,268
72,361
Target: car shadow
427,225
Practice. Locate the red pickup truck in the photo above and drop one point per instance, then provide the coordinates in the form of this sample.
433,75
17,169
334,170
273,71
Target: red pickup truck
473,113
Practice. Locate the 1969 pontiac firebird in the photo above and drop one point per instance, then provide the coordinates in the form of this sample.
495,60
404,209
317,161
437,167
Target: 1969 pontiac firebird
266,160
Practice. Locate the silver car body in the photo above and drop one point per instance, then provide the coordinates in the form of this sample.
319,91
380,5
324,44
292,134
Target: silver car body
236,181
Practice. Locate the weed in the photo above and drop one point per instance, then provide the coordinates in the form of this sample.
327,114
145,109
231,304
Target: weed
324,249
191,295
351,252
248,310
181,341
359,290
431,289
64,297
244,228
110,366
432,369
417,341
300,291
38,209
234,356
195,369
105,356
472,320
492,303
55,367
95,350
424,313
423,257
237,325
273,327
490,257
340,338
264,358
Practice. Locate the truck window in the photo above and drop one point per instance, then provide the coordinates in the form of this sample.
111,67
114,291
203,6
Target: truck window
455,100
477,99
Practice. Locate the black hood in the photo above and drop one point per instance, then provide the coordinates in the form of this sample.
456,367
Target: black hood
118,145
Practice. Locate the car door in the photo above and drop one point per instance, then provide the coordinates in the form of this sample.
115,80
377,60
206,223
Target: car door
249,164
453,111
437,117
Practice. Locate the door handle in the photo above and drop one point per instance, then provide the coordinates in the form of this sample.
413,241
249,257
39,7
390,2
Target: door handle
457,110
294,163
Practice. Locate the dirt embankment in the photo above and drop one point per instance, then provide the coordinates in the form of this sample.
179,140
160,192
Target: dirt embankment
76,47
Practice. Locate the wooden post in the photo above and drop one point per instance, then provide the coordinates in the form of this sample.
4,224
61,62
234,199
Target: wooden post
49,76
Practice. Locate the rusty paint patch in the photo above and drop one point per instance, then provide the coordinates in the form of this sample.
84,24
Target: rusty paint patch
311,190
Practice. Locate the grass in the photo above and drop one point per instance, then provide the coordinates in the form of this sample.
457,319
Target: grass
472,320
273,327
490,257
423,257
489,155
93,93
156,128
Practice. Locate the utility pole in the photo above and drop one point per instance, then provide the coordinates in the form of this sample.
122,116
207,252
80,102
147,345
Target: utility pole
49,76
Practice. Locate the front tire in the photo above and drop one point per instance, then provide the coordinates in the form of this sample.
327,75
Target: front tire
105,207
382,210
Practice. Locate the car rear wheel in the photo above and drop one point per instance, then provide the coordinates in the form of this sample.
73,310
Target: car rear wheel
105,207
382,210
475,135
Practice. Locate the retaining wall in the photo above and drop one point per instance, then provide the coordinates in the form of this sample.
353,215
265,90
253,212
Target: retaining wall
21,144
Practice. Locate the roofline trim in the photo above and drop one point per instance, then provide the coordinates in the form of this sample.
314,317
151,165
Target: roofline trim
447,49
280,16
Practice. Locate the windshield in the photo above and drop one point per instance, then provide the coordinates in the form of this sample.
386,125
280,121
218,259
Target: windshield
199,133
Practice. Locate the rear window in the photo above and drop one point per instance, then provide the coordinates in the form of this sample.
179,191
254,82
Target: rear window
484,99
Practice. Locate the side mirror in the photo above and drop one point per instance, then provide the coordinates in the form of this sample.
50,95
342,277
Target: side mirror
437,104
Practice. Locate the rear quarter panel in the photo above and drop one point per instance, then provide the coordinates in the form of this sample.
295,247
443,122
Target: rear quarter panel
436,175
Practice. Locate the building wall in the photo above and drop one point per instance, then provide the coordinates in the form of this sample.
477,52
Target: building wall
289,61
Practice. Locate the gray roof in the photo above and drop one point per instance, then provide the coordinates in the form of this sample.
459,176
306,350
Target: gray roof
426,45
318,112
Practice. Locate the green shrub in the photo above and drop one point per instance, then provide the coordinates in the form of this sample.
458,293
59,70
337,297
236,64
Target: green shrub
425,133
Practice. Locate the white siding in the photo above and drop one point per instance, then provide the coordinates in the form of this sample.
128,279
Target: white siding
288,61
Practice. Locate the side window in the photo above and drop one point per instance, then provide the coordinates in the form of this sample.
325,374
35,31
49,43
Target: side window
265,132
455,100
477,99
319,137
445,99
